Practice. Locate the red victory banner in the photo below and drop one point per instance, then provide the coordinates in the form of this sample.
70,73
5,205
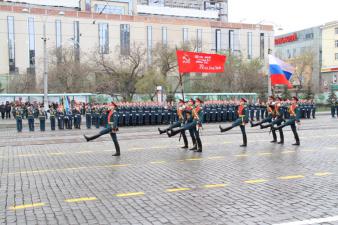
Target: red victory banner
200,62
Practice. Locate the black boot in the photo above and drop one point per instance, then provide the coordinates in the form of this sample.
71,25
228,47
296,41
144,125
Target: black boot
117,148
273,141
185,147
199,145
173,132
162,131
265,126
193,148
224,129
91,138
245,141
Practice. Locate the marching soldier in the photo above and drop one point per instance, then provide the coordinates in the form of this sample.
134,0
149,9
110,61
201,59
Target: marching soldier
194,125
111,129
77,118
18,117
179,123
277,119
294,119
30,117
42,118
60,116
243,118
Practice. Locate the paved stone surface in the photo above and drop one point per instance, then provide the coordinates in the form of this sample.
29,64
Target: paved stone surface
57,178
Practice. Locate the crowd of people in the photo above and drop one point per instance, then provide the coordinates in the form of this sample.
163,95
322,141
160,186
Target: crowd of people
133,113
275,113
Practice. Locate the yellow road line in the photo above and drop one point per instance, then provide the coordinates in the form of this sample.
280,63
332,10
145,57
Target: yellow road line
80,199
194,159
178,189
83,152
255,181
291,177
265,154
242,155
26,155
114,165
216,157
159,147
227,142
27,206
135,149
308,150
158,162
57,153
129,194
288,152
322,174
214,185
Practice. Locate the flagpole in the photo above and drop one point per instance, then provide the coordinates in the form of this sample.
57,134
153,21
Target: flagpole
269,77
181,83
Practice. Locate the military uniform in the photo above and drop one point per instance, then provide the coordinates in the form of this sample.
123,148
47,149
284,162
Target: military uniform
18,117
52,113
294,118
243,118
179,123
42,118
89,118
30,117
111,129
193,125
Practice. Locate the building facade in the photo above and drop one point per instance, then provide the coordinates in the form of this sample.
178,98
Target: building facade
21,33
330,55
298,44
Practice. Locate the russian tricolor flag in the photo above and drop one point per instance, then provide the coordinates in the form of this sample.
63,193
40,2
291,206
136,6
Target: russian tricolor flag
280,71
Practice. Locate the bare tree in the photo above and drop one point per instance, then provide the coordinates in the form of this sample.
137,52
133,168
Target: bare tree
67,73
21,83
120,72
148,83
304,68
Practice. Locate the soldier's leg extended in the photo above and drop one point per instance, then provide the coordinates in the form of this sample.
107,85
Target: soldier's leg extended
116,143
245,141
235,124
102,132
174,125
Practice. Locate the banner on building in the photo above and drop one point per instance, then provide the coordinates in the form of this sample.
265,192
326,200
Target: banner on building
200,62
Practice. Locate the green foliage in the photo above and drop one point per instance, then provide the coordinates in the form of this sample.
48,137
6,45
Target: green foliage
332,97
286,94
148,83
309,94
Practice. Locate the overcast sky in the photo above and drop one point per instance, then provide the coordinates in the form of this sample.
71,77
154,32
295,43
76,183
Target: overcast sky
291,15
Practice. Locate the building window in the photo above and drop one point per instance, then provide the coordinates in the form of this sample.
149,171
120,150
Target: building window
249,45
336,56
294,53
336,44
288,52
165,36
185,35
217,40
31,39
103,38
199,40
11,43
262,48
336,30
125,39
76,40
88,5
309,36
231,40
149,44
110,9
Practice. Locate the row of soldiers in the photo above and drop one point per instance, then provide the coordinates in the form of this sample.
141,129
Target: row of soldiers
138,114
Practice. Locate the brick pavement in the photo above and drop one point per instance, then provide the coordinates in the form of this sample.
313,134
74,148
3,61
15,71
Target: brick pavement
57,178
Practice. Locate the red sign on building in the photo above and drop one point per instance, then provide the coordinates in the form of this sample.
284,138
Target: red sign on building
287,39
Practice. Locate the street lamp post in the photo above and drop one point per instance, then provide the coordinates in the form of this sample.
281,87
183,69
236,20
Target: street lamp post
45,72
